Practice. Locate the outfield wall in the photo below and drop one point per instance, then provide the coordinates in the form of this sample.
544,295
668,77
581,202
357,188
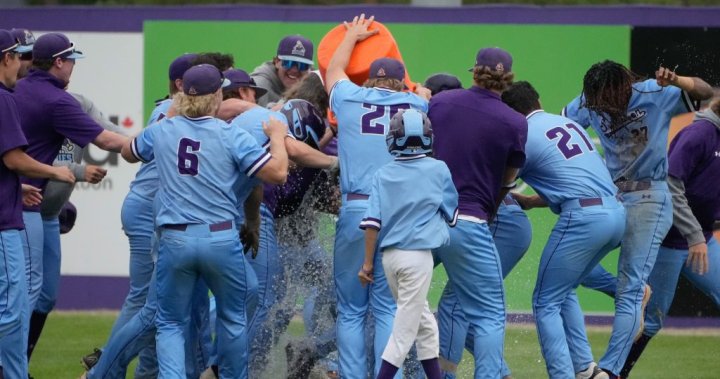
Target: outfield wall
128,51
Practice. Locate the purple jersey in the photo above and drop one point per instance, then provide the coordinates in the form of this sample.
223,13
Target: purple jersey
694,158
48,115
12,138
477,136
285,199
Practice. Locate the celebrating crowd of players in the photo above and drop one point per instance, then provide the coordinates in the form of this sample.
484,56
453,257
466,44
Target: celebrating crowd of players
236,166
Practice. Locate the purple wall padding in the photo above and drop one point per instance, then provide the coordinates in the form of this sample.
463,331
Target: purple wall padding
91,292
130,19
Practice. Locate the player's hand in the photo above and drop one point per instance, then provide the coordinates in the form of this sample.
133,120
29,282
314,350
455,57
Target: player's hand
250,237
63,174
665,76
526,202
275,128
365,274
358,28
31,195
697,258
422,91
94,174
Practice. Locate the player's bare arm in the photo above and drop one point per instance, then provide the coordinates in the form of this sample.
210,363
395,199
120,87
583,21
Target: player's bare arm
508,180
697,88
17,160
276,170
230,108
127,154
110,141
355,31
304,155
31,195
366,271
529,202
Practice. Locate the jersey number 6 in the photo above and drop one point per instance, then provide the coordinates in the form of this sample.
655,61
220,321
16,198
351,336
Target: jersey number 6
187,162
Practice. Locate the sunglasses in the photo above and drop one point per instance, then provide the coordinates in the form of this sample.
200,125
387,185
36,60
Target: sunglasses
69,51
288,65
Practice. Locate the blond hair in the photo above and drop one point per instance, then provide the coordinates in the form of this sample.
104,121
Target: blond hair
487,78
391,84
197,106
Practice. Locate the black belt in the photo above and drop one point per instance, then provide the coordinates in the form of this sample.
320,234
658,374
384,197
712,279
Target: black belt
631,186
217,227
357,196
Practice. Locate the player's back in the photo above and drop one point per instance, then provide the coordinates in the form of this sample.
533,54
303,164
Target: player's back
197,169
637,150
562,161
363,116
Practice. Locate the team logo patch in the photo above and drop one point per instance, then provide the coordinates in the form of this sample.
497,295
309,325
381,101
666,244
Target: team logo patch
499,67
380,73
192,91
298,49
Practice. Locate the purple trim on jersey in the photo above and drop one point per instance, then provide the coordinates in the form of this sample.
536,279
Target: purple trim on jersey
131,19
371,223
258,165
135,153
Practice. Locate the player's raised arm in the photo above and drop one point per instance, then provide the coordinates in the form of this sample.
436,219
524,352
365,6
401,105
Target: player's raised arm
355,31
276,169
697,88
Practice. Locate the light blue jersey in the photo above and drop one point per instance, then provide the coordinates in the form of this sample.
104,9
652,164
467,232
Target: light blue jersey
251,122
197,162
412,202
145,183
637,150
363,116
562,163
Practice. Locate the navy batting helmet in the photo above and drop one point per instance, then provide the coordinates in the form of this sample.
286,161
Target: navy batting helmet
304,121
410,133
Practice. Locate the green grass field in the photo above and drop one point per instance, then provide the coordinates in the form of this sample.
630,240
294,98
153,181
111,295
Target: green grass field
672,354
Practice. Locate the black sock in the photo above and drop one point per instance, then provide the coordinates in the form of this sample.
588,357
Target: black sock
216,370
432,368
635,352
387,370
37,322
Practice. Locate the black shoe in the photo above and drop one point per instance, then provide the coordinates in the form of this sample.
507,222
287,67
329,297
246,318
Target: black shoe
91,359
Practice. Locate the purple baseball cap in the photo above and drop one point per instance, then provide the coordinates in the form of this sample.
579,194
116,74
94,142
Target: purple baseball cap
495,58
387,68
296,48
7,41
180,65
67,217
55,45
26,39
240,79
442,82
203,79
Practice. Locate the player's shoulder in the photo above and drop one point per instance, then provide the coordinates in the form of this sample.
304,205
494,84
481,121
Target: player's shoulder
701,130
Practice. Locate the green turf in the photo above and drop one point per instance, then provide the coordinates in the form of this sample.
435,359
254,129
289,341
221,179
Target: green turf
68,336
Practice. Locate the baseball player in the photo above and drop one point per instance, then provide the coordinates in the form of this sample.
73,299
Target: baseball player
199,159
558,149
137,218
363,115
632,118
412,202
49,115
26,38
291,64
55,197
689,248
15,309
482,141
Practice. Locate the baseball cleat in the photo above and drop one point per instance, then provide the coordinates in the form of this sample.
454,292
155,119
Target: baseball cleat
646,298
91,359
588,372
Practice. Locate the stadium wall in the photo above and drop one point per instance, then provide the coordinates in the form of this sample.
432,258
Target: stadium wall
129,48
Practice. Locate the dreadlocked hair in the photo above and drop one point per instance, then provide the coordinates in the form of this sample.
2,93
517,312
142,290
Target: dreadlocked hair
490,79
607,87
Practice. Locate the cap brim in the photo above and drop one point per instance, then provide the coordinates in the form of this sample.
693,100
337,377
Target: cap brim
226,83
23,49
75,55
296,59
259,92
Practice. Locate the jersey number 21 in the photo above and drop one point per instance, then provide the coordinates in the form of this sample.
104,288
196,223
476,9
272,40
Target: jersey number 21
563,133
